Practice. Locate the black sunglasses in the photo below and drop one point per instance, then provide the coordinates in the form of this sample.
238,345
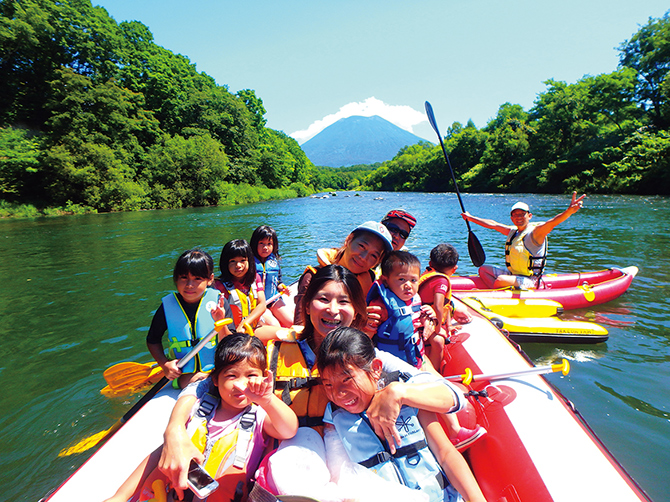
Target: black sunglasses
395,229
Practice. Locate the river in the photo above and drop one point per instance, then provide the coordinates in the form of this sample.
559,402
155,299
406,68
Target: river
78,294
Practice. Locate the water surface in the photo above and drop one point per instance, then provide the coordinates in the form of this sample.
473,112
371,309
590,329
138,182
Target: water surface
78,294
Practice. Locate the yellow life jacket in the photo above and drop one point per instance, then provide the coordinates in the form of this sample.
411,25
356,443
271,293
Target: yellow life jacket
296,384
241,303
226,458
518,259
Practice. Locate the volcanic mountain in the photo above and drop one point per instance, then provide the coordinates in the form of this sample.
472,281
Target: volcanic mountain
357,140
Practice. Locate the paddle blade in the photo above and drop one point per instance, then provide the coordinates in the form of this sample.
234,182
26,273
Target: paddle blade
133,376
122,370
89,442
475,250
137,383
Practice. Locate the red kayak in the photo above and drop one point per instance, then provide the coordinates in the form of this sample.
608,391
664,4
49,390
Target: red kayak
573,291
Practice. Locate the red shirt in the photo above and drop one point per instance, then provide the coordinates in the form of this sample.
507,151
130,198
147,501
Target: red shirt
437,284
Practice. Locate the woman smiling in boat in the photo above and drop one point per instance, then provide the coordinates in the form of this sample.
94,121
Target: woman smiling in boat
363,249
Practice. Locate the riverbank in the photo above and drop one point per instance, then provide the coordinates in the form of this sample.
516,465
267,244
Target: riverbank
240,194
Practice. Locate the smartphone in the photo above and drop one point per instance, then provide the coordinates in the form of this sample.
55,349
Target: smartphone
199,481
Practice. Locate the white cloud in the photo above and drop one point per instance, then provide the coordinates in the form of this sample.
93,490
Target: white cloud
403,116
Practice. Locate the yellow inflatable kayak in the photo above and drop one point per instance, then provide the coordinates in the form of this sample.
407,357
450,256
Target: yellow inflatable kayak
541,329
519,307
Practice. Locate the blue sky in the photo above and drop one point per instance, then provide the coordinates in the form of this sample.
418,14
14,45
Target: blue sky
313,62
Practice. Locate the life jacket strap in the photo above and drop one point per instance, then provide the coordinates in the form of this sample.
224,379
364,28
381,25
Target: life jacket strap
207,406
411,450
293,384
245,430
310,421
379,458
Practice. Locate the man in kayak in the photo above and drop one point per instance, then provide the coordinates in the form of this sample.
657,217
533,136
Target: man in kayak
525,248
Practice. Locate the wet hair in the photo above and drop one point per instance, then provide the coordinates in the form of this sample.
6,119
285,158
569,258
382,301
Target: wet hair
264,232
339,274
444,256
345,346
238,347
235,249
399,259
196,262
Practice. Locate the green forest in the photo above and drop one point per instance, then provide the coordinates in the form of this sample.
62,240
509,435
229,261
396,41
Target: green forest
603,134
94,116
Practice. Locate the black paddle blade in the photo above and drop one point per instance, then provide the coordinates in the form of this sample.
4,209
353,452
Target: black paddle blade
475,250
431,119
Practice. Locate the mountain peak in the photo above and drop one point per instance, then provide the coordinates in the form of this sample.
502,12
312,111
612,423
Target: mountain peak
357,140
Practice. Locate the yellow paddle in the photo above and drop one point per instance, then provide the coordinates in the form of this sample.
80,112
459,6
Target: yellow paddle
468,377
92,441
132,383
129,374
129,377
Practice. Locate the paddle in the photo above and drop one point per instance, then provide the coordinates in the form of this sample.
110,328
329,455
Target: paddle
127,377
468,377
129,374
92,441
475,249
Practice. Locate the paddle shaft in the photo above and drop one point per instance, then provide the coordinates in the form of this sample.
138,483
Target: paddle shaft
161,383
431,119
564,367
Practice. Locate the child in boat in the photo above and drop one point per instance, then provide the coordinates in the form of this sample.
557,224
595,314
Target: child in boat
435,290
351,375
240,284
185,317
265,245
233,423
400,317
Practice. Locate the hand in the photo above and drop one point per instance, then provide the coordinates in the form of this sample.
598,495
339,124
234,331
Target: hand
374,319
219,312
171,370
575,203
466,216
176,455
461,315
258,389
383,412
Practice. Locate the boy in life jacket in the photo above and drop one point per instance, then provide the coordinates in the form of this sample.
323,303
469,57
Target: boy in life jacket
401,317
231,427
185,316
435,290
424,459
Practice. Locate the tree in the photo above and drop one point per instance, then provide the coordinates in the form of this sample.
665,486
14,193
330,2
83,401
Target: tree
255,106
648,53
183,172
19,154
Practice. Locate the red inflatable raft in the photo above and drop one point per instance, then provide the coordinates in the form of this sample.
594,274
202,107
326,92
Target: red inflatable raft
538,447
573,291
